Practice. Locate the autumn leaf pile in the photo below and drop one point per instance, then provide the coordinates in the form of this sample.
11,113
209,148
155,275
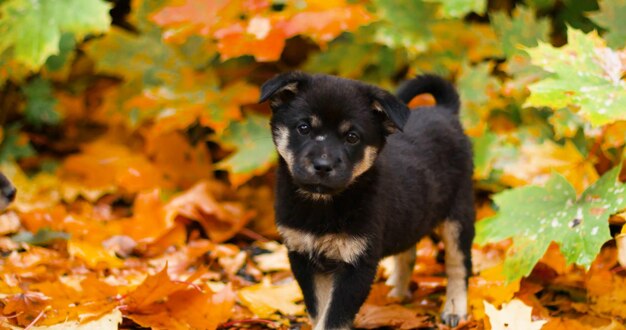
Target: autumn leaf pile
144,164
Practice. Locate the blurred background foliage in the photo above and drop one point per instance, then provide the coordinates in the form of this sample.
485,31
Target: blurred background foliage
116,98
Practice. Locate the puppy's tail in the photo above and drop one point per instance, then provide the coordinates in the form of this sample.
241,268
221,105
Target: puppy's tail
442,90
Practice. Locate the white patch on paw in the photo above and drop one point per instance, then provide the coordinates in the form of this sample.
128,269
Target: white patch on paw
400,277
456,290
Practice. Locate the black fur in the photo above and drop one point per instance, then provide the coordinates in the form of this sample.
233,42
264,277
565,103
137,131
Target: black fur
7,192
444,93
420,177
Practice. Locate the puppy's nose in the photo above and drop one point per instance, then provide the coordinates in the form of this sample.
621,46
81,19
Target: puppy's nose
322,165
9,193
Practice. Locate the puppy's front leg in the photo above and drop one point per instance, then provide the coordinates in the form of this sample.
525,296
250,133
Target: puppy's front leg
347,287
304,272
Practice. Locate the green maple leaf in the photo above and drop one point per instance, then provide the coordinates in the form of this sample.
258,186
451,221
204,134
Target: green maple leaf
141,57
404,24
585,74
536,216
612,16
43,237
482,148
460,8
40,103
523,29
33,28
66,49
565,123
472,84
14,148
575,14
355,55
541,4
254,147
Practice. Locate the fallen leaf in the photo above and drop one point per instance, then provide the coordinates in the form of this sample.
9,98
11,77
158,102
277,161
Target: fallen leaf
95,256
110,321
276,260
156,288
564,324
189,309
264,299
202,310
396,316
9,223
220,219
24,307
512,316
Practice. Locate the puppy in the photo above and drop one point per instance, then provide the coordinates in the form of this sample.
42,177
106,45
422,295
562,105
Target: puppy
7,192
360,177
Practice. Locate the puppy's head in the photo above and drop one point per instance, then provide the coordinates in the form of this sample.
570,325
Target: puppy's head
7,192
329,130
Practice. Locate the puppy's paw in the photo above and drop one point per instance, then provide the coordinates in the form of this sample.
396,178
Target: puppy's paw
452,320
400,294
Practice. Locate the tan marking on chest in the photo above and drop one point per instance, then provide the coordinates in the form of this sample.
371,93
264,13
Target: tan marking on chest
341,247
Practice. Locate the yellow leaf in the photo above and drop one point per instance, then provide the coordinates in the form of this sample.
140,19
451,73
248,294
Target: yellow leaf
93,255
277,260
109,321
264,299
537,161
490,286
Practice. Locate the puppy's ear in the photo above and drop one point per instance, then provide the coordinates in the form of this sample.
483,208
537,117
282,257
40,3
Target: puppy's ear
282,88
394,112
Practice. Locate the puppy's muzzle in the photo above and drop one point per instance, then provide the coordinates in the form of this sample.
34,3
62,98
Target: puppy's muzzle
323,166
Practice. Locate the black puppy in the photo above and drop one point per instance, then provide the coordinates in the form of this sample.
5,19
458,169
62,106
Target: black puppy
361,177
7,192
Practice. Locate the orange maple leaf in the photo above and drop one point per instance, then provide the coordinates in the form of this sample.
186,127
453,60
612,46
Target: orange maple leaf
220,219
24,308
156,288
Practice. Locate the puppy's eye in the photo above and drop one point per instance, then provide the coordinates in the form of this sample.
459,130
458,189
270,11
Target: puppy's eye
304,129
352,138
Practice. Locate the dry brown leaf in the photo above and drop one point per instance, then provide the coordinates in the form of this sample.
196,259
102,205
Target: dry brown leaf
23,308
220,219
396,316
189,309
156,288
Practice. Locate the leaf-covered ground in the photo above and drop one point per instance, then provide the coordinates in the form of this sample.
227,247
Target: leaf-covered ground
144,164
